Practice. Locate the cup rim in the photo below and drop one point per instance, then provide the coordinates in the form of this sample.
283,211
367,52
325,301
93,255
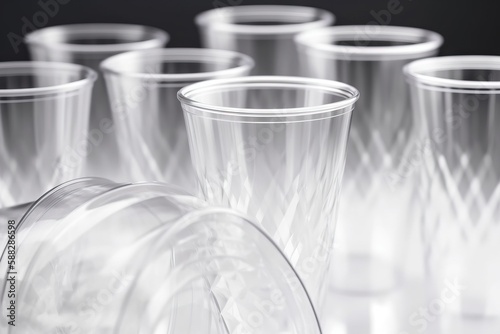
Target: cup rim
184,221
244,63
89,77
213,18
247,223
431,42
349,93
154,37
415,71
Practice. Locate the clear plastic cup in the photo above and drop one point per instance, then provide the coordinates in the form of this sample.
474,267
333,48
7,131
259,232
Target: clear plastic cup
265,33
377,210
143,88
44,111
89,44
457,99
95,256
274,148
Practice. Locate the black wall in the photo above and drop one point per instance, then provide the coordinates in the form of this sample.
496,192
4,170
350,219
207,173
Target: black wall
469,27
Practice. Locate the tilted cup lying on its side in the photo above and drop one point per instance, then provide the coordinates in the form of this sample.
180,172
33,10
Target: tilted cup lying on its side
95,256
44,112
265,33
89,44
143,88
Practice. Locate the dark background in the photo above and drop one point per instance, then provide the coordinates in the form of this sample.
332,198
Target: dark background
469,27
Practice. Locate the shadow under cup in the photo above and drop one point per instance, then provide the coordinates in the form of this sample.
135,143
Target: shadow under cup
377,210
44,111
150,125
274,148
457,98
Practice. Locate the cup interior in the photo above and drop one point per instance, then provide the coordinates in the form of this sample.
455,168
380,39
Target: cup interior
272,15
266,96
463,74
372,42
474,72
378,39
169,62
265,19
98,37
29,78
35,77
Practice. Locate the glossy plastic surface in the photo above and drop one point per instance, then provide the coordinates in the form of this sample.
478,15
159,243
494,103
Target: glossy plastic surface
44,112
143,88
274,148
265,33
99,257
89,45
378,207
457,99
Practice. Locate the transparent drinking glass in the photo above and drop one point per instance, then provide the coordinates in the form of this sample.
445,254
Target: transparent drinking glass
377,193
93,256
89,45
457,99
143,88
274,148
265,33
44,111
